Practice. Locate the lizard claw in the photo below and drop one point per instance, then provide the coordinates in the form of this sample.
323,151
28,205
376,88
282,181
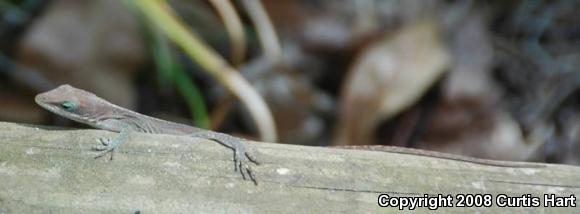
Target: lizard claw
241,160
103,153
241,164
109,146
105,148
252,159
241,157
105,141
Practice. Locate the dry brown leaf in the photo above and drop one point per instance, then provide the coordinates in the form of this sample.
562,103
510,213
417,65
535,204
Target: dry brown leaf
388,77
95,45
470,118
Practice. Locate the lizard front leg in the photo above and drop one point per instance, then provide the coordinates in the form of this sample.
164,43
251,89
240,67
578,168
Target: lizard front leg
108,146
241,157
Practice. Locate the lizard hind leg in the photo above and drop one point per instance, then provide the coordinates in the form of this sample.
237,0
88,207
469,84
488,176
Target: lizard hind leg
241,157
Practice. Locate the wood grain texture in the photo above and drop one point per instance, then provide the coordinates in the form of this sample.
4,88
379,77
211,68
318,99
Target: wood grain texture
45,170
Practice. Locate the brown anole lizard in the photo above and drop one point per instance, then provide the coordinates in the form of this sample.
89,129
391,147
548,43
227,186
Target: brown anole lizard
87,108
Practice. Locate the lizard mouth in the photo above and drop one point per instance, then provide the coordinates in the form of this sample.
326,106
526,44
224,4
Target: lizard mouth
39,99
42,102
45,103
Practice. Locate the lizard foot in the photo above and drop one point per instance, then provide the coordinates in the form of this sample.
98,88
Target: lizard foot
241,157
104,142
109,146
104,148
241,160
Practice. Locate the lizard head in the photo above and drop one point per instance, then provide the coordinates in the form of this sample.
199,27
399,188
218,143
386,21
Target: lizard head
73,103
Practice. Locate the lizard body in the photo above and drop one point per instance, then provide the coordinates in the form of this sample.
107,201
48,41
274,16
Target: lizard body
87,108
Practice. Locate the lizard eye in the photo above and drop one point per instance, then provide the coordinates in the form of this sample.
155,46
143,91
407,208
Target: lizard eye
68,106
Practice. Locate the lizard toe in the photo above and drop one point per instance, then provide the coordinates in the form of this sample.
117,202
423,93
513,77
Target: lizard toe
251,175
105,152
239,165
242,164
252,158
100,148
105,141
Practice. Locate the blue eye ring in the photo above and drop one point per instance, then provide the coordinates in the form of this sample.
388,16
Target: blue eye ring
68,106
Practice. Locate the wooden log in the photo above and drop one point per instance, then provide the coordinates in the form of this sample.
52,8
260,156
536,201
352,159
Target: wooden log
44,170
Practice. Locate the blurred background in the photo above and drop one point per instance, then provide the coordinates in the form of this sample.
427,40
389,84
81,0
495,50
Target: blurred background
490,79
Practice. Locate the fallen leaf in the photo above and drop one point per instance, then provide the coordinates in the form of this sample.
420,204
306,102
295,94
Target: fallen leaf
388,77
95,45
471,118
